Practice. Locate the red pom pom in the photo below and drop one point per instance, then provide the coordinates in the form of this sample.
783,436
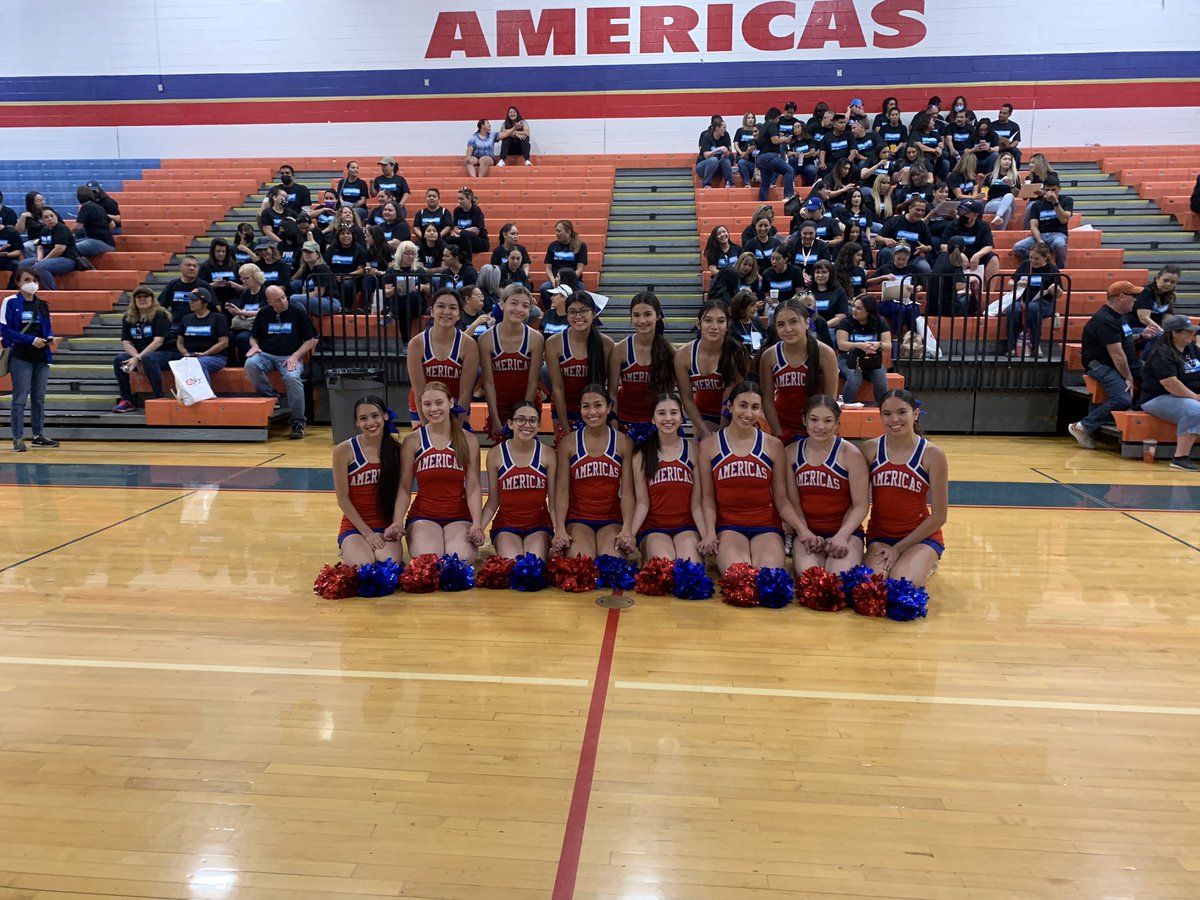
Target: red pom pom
574,574
870,597
336,582
421,576
494,573
820,590
739,585
656,578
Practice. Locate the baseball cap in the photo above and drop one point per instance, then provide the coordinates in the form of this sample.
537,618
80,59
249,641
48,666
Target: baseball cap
857,101
311,246
562,289
388,160
261,243
203,293
901,248
1117,288
971,206
956,241
95,185
814,203
1179,323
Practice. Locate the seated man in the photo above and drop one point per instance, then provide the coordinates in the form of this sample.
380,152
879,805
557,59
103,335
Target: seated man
1109,357
1008,132
976,234
299,197
93,231
716,154
771,159
1048,220
176,295
909,229
111,207
281,337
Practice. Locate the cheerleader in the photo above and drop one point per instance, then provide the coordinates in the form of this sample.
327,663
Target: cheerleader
521,475
909,475
708,367
642,365
796,367
576,358
593,491
829,487
743,474
667,501
366,479
443,460
511,354
444,354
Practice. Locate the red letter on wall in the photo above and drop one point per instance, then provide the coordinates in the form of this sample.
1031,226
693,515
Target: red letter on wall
603,26
756,27
832,20
910,31
720,27
670,25
516,25
456,32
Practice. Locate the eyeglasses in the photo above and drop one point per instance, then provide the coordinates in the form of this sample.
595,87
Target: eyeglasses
578,313
525,420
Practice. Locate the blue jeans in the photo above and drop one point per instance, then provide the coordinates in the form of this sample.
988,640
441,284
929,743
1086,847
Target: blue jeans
854,379
28,380
1118,398
1055,241
46,269
707,168
746,170
92,247
317,306
1035,313
1183,411
1002,207
212,364
806,171
257,368
772,166
152,365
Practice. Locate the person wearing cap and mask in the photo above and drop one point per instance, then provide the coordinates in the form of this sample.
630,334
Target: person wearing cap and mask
1108,357
1171,386
389,179
112,209
298,198
976,234
203,333
1049,218
317,292
176,295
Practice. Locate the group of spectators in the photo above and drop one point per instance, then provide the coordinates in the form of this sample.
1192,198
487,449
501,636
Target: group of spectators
39,238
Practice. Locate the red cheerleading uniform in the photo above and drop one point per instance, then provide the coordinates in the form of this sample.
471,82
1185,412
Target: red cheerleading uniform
595,484
900,498
510,372
792,388
364,496
824,491
448,371
440,484
634,400
708,388
670,496
575,376
743,488
524,494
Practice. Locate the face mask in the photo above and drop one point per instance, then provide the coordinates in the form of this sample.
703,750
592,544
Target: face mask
958,106
285,179
29,288
329,204
964,219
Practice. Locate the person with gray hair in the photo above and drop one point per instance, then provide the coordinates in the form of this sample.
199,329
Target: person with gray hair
282,336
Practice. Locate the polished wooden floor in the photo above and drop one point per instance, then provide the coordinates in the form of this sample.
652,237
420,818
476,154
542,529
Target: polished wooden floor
181,718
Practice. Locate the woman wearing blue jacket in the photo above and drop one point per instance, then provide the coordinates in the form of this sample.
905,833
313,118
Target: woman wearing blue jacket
25,328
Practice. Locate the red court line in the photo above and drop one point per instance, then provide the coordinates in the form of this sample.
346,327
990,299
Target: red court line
568,859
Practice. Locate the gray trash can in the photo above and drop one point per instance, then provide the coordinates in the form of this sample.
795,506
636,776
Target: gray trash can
344,388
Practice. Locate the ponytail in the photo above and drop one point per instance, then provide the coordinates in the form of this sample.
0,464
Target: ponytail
389,458
597,371
651,448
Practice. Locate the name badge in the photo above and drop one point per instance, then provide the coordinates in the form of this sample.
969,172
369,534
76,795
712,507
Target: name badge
198,330
279,328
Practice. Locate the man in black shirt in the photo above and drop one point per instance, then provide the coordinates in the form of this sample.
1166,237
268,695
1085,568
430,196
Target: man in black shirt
1048,220
772,146
834,146
280,339
1009,132
176,296
857,113
958,137
94,235
393,182
8,215
909,229
864,154
298,196
716,154
1108,357
111,207
789,125
976,234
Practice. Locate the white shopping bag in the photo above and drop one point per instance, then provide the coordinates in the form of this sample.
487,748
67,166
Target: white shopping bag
998,307
190,384
931,346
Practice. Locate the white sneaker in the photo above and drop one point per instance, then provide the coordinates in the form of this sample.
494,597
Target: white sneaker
528,163
853,405
501,163
1086,441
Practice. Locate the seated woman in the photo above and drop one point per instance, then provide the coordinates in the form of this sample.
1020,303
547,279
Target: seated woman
366,480
375,267
94,236
742,275
29,223
274,211
836,187
510,354
220,270
765,211
745,319
862,337
898,277
243,244
481,150
832,303
1002,185
593,492
146,340
352,191
1156,301
1171,386
204,334
829,487
1035,289
781,280
964,181
522,474
431,251
720,251
706,368
848,268
566,251
762,243
514,137
513,270
667,500
457,271
55,254
468,231
347,260
404,284
575,358
243,312
441,461
743,477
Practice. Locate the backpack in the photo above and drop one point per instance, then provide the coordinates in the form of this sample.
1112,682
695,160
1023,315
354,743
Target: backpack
912,346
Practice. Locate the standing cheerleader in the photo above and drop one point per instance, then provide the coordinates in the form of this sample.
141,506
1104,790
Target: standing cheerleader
642,365
511,354
521,475
593,490
366,479
830,489
667,500
909,494
444,354
576,358
707,368
443,461
743,473
796,367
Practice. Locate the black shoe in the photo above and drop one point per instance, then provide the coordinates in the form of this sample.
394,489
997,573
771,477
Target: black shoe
42,441
297,432
1182,462
19,447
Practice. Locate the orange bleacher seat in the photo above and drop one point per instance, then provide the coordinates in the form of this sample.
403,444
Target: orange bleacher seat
230,380
100,280
122,259
139,225
225,412
70,324
153,243
82,301
1137,426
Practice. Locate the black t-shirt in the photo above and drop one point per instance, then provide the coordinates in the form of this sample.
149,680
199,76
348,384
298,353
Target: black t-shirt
439,217
10,242
1047,218
762,250
868,147
807,257
252,303
561,256
500,255
268,218
95,223
990,139
960,182
343,260
470,218
200,334
861,332
1106,327
727,283
863,218
210,272
836,146
728,258
961,137
406,281
1148,299
508,276
299,197
431,257
789,125
904,192
858,279
787,282
831,302
996,188
708,142
976,236
767,131
397,231
1165,362
176,296
899,228
447,279
282,333
320,277
60,234
140,334
1041,278
827,226
393,184
278,272
1009,130
352,191
744,138
8,216
31,323
893,135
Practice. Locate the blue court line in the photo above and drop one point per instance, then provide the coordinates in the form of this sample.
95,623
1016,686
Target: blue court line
1053,494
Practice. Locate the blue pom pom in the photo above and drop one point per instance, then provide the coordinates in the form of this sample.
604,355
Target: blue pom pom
616,573
578,424
454,574
528,574
639,432
691,581
379,579
775,588
852,578
905,601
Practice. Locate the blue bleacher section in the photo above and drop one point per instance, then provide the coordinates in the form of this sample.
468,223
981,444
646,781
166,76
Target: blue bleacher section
57,179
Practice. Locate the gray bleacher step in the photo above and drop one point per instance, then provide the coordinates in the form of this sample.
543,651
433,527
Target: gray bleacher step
651,229
639,244
67,401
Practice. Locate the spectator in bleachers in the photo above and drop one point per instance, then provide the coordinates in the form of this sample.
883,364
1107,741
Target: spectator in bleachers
270,219
857,212
965,181
8,215
766,211
566,286
404,285
837,184
829,298
27,329
243,244
146,341
957,138
1110,358
881,202
856,234
324,210
318,289
780,280
925,134
941,213
789,125
916,182
220,271
861,339
865,154
1008,132
909,228
111,208
30,222
176,295
352,190
892,131
746,148
299,197
848,268
241,314
56,253
1171,386
720,251
274,269
885,111
1038,172
468,231
457,271
379,258
815,211
433,213
476,316
762,244
204,334
431,249
488,281
389,179
291,240
481,150
1002,184
835,145
513,270
345,217
1049,218
772,148
283,335
566,251
347,260
802,156
509,241
977,236
514,137
716,154
983,144
12,251
1156,300
901,310
805,249
1035,289
744,321
949,289
856,112
389,221
742,275
959,104
820,123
